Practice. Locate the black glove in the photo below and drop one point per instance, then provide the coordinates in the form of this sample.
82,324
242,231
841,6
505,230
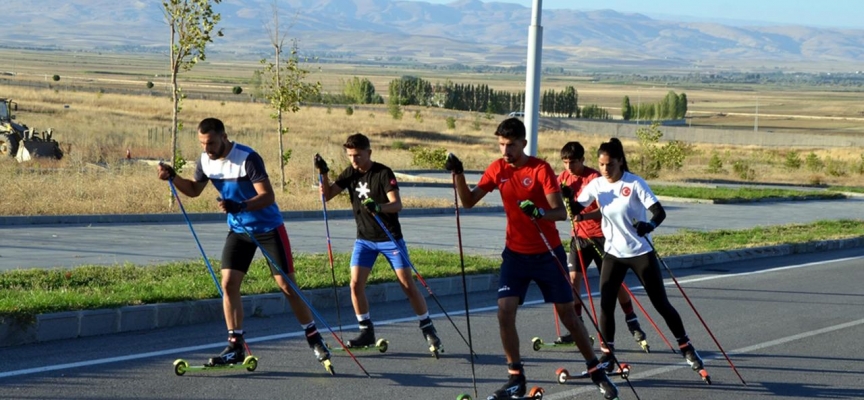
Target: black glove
643,228
232,207
167,168
531,210
567,192
453,164
577,217
371,206
321,165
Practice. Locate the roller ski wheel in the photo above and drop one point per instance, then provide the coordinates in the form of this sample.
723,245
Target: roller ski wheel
381,345
696,364
181,367
705,377
538,344
436,351
644,345
328,366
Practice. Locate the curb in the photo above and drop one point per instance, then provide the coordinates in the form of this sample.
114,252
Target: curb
74,324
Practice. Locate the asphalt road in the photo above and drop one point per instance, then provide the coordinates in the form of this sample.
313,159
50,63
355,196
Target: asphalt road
791,325
42,246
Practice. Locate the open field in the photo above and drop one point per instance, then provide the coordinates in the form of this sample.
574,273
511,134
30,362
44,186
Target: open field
96,128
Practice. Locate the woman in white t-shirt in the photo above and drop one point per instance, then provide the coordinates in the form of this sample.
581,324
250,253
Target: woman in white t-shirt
624,198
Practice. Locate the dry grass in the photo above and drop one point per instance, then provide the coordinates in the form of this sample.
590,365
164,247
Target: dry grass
98,128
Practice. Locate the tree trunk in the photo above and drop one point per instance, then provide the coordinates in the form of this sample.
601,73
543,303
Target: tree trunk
279,119
175,105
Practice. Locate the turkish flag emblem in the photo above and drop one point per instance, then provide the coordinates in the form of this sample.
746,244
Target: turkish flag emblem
625,192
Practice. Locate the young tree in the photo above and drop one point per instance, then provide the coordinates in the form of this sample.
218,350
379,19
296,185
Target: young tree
192,23
284,85
626,110
682,105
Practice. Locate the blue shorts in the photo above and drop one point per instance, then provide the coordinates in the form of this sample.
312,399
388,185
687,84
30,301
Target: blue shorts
518,270
365,253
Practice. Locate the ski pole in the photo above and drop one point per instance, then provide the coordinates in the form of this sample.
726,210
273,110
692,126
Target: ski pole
330,253
198,242
299,293
669,270
464,284
584,307
404,253
651,320
623,285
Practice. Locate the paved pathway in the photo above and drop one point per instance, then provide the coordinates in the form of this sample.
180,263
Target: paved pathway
143,243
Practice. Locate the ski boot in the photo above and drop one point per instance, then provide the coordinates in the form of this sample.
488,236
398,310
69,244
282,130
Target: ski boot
515,387
432,338
638,334
322,353
695,362
366,337
610,364
234,353
564,339
607,388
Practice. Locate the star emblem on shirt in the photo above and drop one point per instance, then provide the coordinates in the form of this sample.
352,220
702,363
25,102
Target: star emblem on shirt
363,190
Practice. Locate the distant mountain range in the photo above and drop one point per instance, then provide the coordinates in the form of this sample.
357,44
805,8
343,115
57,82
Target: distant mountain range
464,31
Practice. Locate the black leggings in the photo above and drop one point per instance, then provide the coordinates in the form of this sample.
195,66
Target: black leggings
648,271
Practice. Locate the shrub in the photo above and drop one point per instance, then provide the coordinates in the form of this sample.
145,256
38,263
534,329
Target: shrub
418,117
793,160
395,110
715,164
349,111
55,78
237,90
859,166
149,85
743,170
424,157
475,125
451,123
398,145
835,167
813,162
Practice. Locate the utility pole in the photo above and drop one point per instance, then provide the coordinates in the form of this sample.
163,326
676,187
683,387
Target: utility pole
532,77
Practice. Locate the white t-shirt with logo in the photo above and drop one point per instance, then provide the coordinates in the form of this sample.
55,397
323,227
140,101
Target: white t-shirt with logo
621,203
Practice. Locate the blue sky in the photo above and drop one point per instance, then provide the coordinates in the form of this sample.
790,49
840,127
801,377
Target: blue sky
824,13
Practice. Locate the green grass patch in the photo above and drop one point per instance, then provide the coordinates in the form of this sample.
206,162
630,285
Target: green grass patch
27,292
742,194
850,189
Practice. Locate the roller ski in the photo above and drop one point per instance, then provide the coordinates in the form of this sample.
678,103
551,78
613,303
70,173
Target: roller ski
638,334
381,345
230,358
562,375
322,352
431,336
562,341
695,362
536,393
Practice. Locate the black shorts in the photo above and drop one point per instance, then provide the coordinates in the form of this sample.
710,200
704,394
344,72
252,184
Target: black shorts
240,249
590,252
518,270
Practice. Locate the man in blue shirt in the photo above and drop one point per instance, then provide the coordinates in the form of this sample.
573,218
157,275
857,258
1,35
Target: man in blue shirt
238,173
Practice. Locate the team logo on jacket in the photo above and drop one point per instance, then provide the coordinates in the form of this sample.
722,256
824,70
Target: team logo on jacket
625,191
526,181
393,182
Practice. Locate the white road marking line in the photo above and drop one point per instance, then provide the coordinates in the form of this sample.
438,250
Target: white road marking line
622,386
100,361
